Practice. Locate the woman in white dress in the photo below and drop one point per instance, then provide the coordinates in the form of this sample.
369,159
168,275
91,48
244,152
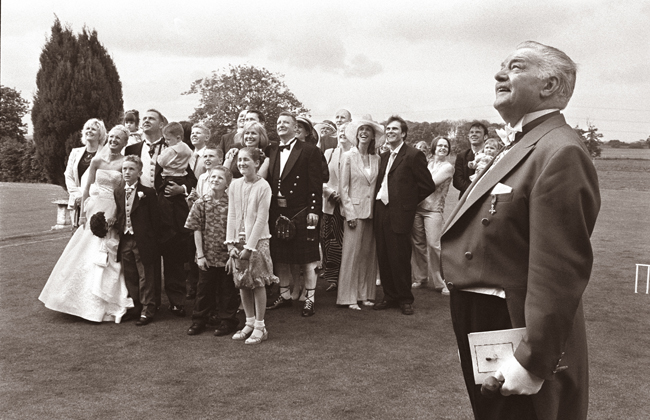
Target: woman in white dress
93,137
87,281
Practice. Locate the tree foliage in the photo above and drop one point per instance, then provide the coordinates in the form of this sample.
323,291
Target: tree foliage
77,80
591,137
455,130
13,108
225,93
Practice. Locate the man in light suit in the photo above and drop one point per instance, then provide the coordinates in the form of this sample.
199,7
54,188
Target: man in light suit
516,250
403,182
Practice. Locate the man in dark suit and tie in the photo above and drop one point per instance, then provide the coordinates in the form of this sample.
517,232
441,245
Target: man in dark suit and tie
516,250
174,260
402,183
296,179
478,133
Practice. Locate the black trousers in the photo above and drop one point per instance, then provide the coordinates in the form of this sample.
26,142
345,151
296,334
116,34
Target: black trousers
174,254
139,279
394,257
216,292
475,312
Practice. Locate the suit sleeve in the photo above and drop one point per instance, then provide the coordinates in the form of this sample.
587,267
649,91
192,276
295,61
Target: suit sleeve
422,176
154,210
460,181
326,169
70,184
315,182
563,207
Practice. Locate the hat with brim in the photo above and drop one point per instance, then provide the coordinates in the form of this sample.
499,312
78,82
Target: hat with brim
353,127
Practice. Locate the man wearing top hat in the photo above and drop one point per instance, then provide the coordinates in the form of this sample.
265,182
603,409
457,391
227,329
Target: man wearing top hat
516,250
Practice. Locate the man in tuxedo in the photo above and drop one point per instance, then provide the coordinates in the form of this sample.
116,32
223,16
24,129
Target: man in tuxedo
403,181
478,133
228,139
174,247
516,250
138,221
296,181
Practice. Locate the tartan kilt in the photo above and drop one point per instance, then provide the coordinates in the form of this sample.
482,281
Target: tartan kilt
298,250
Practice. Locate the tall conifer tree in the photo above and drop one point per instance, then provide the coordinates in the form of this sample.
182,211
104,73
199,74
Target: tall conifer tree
77,80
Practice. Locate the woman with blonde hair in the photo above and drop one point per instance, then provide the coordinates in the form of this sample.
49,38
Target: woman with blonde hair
254,135
93,137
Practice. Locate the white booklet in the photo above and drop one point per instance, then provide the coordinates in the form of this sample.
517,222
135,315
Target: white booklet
491,348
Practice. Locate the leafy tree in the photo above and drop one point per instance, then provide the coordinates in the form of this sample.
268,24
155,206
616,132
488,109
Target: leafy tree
12,110
225,93
591,137
77,80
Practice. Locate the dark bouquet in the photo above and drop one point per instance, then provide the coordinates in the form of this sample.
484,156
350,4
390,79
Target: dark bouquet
98,225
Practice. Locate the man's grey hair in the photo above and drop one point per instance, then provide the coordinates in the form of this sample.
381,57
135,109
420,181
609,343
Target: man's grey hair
554,62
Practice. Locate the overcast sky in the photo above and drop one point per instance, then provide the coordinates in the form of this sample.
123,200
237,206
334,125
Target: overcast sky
426,60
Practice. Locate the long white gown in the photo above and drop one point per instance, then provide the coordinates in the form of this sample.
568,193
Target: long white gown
87,281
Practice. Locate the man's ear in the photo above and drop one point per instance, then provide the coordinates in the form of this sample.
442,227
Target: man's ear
550,88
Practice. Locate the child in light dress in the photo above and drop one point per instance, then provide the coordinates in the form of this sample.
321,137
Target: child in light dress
247,237
132,123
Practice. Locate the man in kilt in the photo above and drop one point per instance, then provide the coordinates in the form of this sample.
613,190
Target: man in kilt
296,181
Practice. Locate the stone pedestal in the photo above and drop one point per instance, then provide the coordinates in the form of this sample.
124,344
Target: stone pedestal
62,215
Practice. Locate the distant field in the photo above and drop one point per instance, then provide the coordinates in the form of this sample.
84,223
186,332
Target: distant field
610,153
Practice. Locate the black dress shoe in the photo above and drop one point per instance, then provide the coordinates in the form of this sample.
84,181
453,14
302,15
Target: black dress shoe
385,304
407,309
195,329
144,320
225,329
280,302
308,309
177,310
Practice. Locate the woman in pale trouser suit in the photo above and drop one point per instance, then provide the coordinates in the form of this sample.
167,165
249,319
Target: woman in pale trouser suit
358,177
93,137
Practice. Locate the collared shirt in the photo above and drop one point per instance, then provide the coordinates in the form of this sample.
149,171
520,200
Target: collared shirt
210,216
196,162
383,190
284,154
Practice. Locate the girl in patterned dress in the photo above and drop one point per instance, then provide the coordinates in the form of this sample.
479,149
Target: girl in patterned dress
247,238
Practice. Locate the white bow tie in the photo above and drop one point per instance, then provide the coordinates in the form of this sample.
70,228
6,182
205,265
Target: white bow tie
129,188
507,134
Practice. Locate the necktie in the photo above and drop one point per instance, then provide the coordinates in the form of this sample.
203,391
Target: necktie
129,190
383,193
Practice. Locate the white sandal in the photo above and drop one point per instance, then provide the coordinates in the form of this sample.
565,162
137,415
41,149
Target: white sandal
258,340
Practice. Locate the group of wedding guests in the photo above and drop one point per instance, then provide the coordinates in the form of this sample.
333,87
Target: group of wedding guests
294,209
516,249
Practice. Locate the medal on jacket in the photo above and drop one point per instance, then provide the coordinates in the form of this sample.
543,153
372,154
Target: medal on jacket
493,204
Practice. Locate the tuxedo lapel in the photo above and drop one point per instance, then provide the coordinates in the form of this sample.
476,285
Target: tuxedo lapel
136,198
273,160
293,158
490,178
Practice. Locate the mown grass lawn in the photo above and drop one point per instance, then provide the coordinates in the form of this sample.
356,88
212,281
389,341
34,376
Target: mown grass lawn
339,364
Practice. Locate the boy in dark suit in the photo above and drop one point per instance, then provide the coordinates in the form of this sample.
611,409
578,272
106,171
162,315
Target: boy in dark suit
138,220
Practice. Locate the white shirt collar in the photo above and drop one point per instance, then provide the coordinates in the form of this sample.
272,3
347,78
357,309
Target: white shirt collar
532,116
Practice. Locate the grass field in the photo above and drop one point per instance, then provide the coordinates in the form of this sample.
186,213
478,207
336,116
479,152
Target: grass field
339,364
